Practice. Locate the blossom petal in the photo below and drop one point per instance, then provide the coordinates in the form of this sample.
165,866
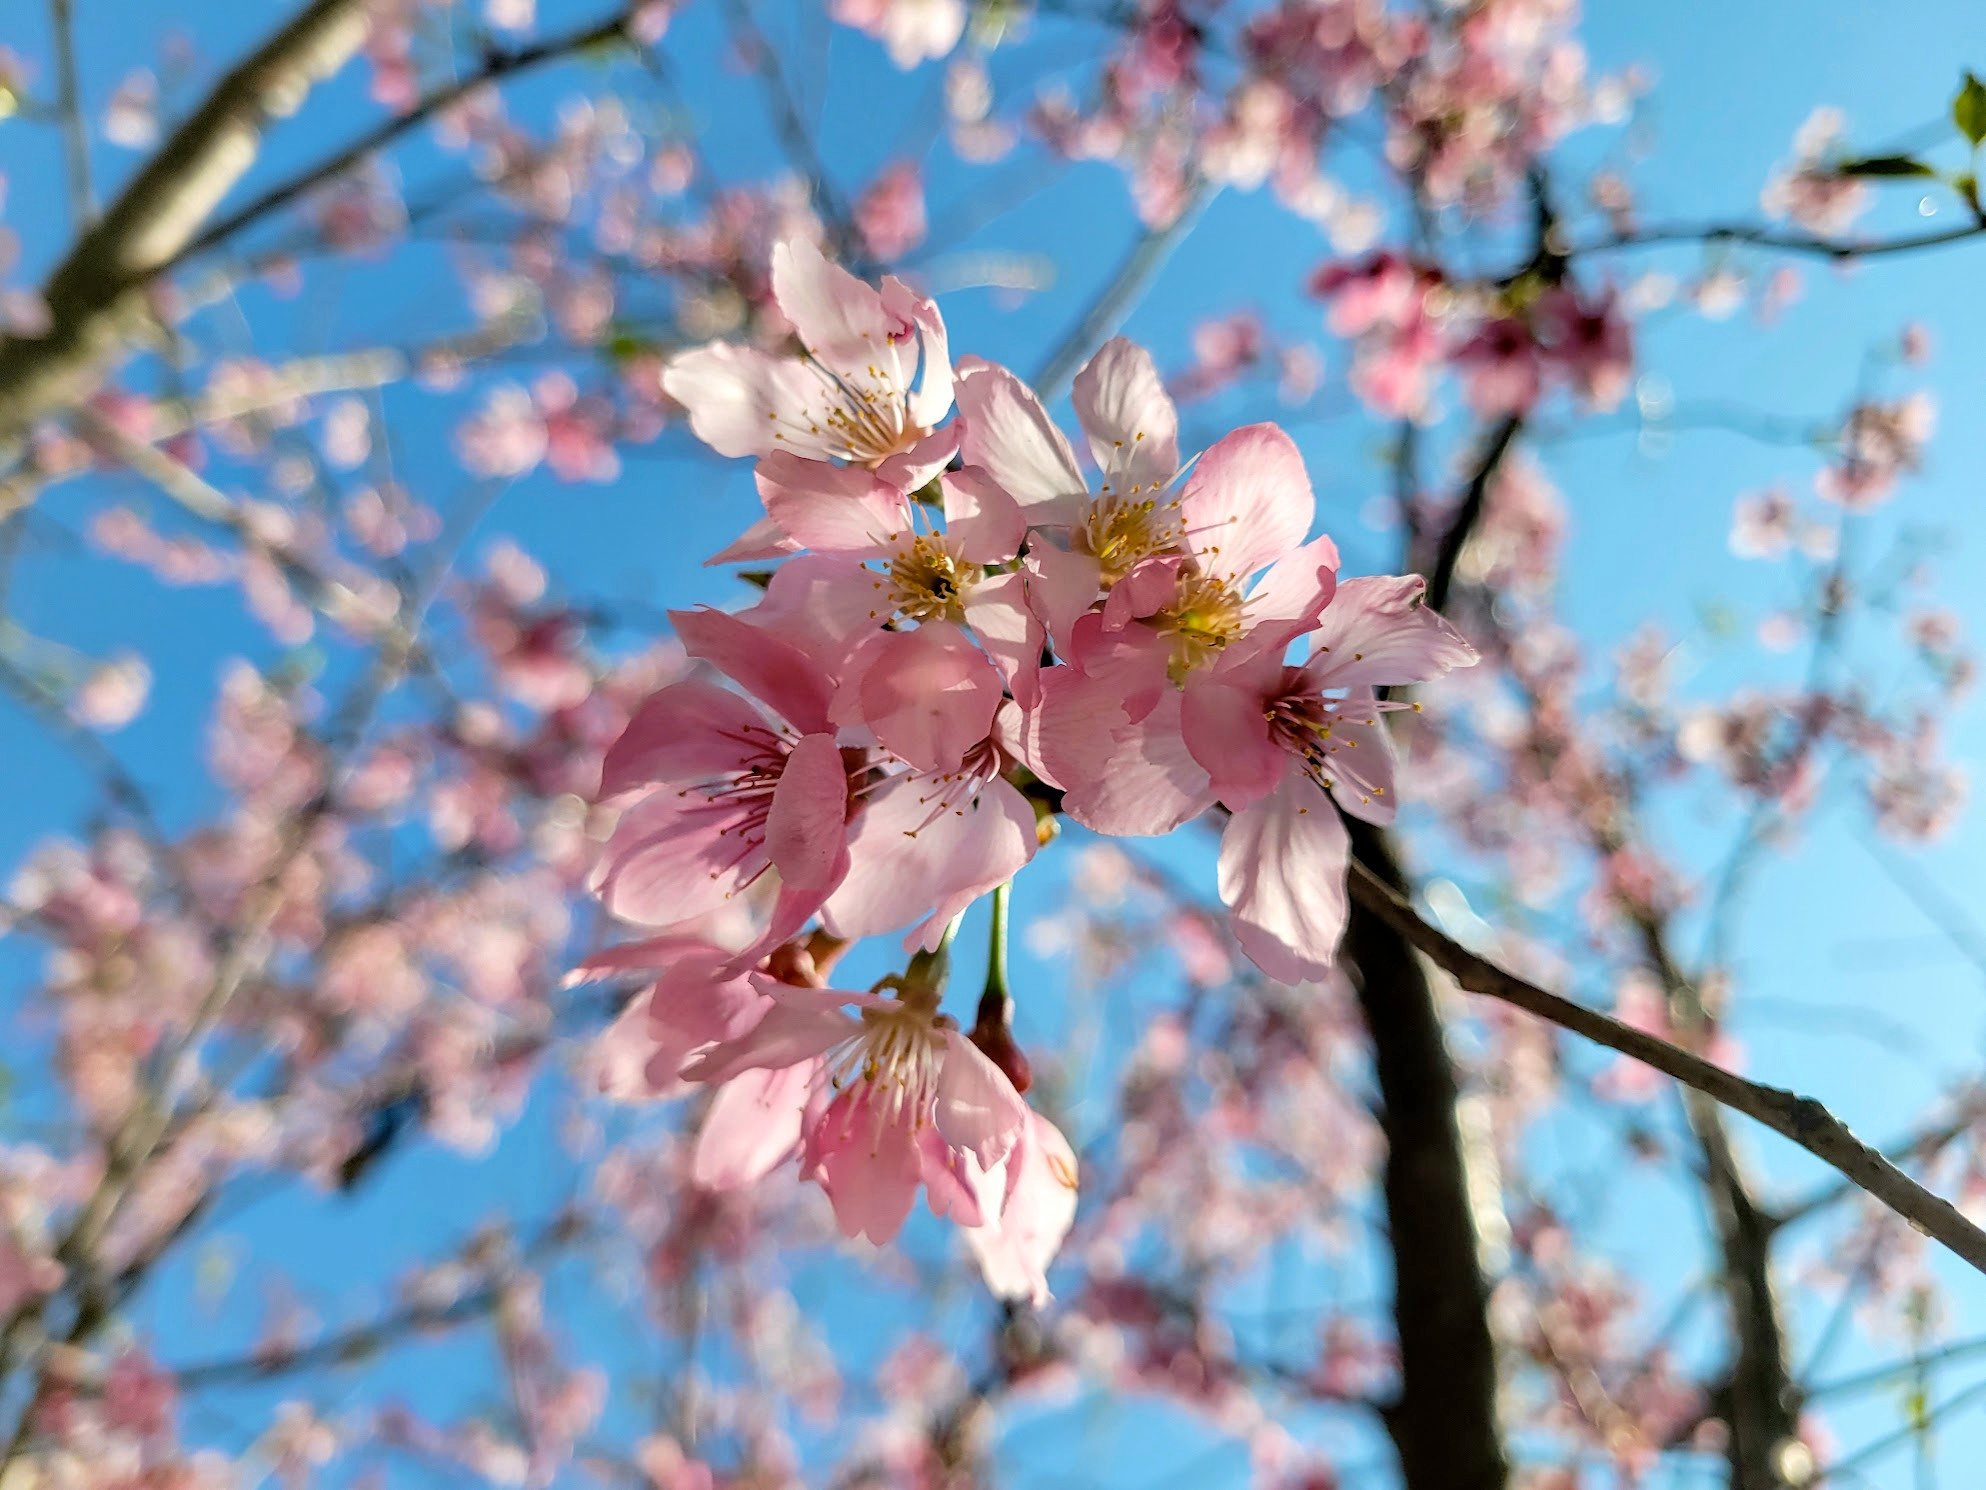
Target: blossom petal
1223,726
933,398
791,1032
776,673
1248,502
869,1166
1015,1248
1132,425
764,539
1360,759
752,1126
687,732
979,514
840,319
977,1109
1377,632
1010,437
669,861
928,694
743,401
996,609
1150,783
1286,602
831,509
1282,877
909,852
806,830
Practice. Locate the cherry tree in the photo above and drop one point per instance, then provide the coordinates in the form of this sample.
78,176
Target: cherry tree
1093,937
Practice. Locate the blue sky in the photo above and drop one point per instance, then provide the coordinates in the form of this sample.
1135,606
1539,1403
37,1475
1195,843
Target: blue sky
1835,956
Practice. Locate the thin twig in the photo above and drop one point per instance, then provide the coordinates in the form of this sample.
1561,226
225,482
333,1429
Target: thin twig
1114,301
69,109
1800,1119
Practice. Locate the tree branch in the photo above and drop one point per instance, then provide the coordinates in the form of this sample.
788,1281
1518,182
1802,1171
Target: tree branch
1800,1120
93,295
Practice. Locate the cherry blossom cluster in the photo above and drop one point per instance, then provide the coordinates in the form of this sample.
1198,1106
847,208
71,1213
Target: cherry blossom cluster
966,634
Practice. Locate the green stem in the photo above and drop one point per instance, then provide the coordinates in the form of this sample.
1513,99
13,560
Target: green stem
997,1000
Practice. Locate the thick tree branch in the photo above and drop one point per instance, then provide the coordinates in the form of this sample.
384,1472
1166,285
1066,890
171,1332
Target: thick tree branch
1444,1421
1801,1120
94,295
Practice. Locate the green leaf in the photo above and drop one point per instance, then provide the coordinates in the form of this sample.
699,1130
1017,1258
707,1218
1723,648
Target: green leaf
1885,165
1969,110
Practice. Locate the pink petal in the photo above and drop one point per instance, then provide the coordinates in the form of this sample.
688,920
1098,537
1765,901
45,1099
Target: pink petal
933,398
928,694
772,671
1377,632
981,517
1248,502
831,509
1131,423
908,852
1360,762
806,827
822,604
870,1169
670,861
977,1109
910,469
1150,783
1223,726
996,609
793,1030
687,732
1061,586
839,319
1282,877
743,401
762,540
752,1126
1287,601
1010,437
1003,840
1016,1247
954,1186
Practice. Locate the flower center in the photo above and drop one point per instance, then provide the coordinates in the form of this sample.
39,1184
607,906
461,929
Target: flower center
1204,616
928,582
1122,530
898,1055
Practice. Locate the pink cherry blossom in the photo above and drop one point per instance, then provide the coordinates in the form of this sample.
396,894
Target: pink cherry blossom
875,380
1015,1248
887,1099
1110,722
720,792
1274,739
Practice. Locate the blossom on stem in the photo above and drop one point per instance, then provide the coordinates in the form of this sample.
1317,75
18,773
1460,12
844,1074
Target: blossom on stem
722,791
879,1102
1274,739
873,384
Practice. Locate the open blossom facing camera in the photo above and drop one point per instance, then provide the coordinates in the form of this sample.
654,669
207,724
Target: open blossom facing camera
966,633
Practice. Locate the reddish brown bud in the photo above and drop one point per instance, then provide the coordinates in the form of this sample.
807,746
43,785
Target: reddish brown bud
996,1043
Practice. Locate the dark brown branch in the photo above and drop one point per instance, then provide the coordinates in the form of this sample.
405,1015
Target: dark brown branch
1838,249
1800,1120
1444,1421
1439,566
